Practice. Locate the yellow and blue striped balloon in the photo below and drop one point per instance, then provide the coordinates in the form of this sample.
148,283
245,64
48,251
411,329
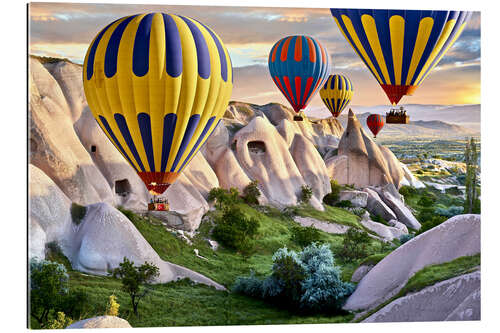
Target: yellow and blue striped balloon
336,93
400,47
157,84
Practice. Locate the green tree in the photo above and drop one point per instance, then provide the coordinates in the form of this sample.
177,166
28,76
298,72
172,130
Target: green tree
332,197
224,198
305,194
135,279
355,244
251,193
472,203
48,287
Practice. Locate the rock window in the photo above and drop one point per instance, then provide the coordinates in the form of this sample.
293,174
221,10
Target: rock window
256,147
122,187
93,149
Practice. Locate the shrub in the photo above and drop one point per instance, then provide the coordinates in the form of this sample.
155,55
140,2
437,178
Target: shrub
307,281
332,197
450,211
425,214
407,191
49,284
112,307
60,322
355,244
135,279
358,211
453,191
304,236
379,219
251,193
77,213
431,223
305,194
426,201
344,204
235,231
406,237
224,198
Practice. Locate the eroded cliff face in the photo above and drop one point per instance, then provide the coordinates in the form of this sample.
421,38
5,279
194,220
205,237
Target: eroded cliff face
253,142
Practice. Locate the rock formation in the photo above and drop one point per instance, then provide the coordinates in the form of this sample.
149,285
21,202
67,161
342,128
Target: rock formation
457,237
453,299
367,163
101,322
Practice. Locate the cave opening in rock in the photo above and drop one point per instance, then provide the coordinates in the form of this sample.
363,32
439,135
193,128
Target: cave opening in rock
233,145
33,146
93,148
123,187
256,147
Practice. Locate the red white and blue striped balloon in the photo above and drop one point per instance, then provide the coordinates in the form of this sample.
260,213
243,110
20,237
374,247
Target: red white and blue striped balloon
299,66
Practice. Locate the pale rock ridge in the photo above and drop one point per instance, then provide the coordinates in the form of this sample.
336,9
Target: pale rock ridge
459,236
367,162
457,298
101,322
68,165
201,175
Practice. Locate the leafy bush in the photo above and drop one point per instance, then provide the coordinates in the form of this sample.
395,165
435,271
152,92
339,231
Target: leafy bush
358,211
304,236
450,211
379,219
453,191
135,279
77,213
224,198
344,204
235,231
407,191
251,193
305,194
332,197
431,223
307,281
406,237
355,244
60,322
426,201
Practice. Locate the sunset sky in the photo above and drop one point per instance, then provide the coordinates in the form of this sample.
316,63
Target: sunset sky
66,29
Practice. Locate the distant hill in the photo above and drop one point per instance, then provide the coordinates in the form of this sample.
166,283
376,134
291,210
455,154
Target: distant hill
416,128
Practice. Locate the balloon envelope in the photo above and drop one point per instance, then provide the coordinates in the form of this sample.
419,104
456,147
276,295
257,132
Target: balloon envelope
336,93
400,47
375,122
157,84
298,66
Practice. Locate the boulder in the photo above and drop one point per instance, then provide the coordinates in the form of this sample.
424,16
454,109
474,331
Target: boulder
409,179
453,299
357,198
402,212
457,237
360,272
376,206
398,225
367,162
385,232
105,236
54,146
101,322
49,213
264,156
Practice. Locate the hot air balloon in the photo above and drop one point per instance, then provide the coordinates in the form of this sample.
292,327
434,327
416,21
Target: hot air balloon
298,66
400,47
157,85
375,122
336,93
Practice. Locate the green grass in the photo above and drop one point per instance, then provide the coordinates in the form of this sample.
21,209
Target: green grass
373,259
331,214
431,275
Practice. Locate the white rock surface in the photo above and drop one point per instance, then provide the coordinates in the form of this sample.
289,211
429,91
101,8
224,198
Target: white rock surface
105,236
360,272
454,299
457,237
376,206
332,228
409,179
201,175
101,322
402,212
357,198
398,225
383,231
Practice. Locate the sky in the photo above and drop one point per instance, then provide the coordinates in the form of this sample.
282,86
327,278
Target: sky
66,29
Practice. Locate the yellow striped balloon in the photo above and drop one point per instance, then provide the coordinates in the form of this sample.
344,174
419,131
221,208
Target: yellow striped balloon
336,93
400,47
157,84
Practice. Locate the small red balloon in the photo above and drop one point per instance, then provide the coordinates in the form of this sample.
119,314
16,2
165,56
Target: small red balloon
375,122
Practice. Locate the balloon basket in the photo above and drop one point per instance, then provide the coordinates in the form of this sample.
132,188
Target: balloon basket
158,207
298,118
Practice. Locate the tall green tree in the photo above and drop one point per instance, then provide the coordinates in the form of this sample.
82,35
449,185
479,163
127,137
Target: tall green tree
135,279
472,203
